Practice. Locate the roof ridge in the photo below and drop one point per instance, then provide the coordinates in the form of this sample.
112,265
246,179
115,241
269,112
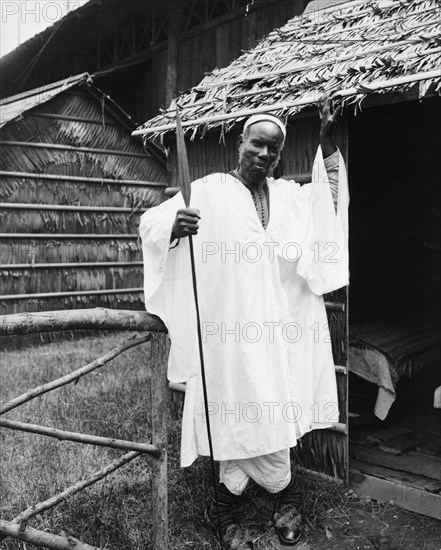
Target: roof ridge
386,21
71,80
335,6
14,106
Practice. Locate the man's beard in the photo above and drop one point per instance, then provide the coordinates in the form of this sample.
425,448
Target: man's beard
251,170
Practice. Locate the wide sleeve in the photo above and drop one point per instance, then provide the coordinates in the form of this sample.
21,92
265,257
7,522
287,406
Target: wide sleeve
155,230
168,285
324,262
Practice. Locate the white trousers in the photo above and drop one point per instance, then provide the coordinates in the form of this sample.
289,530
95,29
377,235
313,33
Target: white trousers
272,472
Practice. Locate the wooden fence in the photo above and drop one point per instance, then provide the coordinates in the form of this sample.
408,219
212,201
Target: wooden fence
105,319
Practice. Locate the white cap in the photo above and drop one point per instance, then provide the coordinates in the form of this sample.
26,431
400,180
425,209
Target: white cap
268,118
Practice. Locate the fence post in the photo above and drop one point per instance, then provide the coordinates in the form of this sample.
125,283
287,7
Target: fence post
159,411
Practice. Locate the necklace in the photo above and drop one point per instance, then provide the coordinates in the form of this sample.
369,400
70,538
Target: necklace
260,208
259,199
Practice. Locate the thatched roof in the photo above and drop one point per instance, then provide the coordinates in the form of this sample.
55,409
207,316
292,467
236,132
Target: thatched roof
15,106
357,48
73,185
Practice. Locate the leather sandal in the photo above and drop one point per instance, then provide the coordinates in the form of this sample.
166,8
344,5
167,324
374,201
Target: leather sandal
219,516
287,519
233,535
288,524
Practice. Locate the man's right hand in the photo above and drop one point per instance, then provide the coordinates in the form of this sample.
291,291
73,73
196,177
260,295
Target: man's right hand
186,223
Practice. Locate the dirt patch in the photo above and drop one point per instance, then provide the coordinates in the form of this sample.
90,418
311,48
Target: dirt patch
334,519
368,525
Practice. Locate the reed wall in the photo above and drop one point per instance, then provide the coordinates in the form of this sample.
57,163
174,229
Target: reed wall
73,186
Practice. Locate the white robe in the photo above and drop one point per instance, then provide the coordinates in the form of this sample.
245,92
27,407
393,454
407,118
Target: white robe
268,359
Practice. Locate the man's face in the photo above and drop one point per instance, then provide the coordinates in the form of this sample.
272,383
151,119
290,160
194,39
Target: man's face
259,152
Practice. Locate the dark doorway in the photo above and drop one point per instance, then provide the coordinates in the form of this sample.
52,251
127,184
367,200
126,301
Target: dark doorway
394,297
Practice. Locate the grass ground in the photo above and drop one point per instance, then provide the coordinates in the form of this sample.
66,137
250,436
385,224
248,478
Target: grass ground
115,513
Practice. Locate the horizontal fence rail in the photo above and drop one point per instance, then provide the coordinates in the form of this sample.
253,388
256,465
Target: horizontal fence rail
42,538
302,178
96,318
69,293
101,319
86,439
105,319
339,427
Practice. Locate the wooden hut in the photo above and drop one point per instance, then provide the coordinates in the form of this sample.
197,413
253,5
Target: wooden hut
383,59
73,182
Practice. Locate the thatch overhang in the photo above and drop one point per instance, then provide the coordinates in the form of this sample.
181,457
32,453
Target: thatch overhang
355,49
15,107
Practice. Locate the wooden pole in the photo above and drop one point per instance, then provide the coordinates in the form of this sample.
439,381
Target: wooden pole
41,538
174,28
79,486
298,178
81,438
185,184
75,375
176,386
95,318
335,306
37,296
339,427
181,387
159,411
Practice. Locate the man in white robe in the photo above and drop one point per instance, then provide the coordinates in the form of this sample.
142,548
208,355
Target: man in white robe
266,250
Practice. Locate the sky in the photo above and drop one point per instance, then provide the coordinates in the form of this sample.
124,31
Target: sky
22,19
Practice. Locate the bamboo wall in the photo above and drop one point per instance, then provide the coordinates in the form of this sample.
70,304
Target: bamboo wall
73,185
321,450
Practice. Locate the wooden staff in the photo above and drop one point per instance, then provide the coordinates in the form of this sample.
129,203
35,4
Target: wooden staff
184,182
